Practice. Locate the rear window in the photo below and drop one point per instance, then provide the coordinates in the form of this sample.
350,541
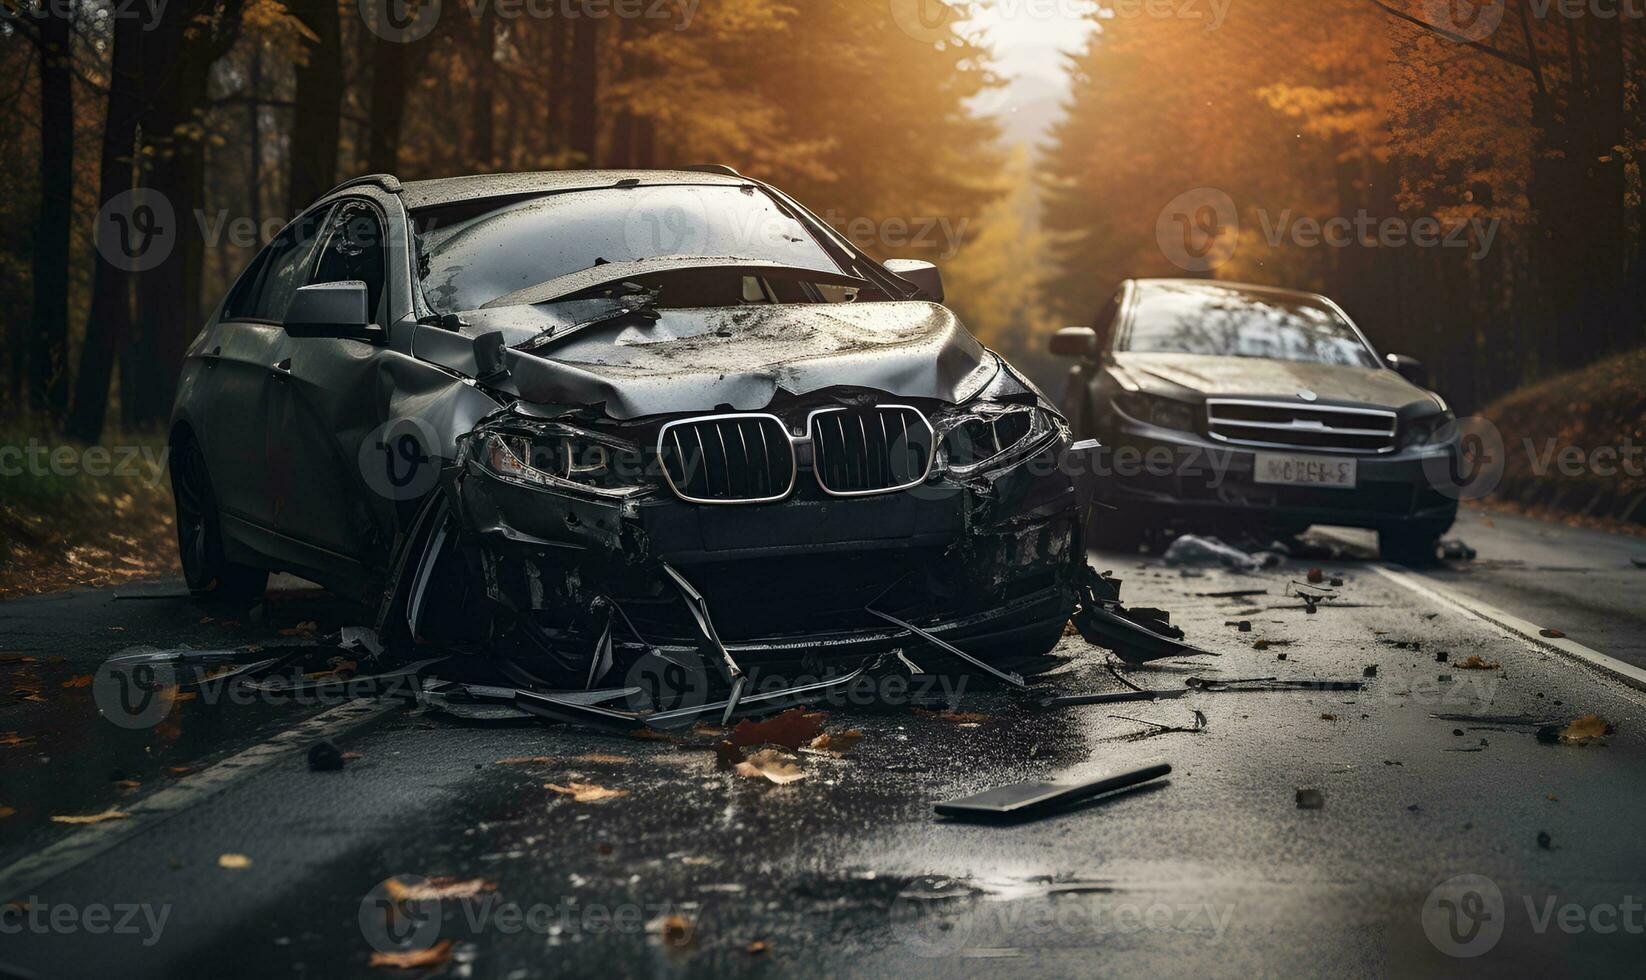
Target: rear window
1227,322
472,253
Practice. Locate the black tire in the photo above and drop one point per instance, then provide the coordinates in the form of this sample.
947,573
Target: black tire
1114,530
200,536
1413,544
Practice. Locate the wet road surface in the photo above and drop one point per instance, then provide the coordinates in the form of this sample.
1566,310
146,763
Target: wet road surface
696,871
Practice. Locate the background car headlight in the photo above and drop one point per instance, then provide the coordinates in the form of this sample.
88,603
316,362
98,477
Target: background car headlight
1167,413
1431,430
991,435
563,459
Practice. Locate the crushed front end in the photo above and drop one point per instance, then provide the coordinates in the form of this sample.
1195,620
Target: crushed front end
823,531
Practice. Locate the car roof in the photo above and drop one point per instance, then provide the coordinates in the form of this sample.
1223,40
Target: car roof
455,190
1272,292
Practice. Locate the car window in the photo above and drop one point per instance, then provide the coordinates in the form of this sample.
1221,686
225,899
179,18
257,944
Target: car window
470,258
279,270
354,251
1232,322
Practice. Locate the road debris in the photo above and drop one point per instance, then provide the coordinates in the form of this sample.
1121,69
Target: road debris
1160,728
1310,799
1112,697
1024,801
1191,549
1551,634
1544,841
1272,684
234,862
1475,663
1453,549
325,757
792,729
1136,636
1587,730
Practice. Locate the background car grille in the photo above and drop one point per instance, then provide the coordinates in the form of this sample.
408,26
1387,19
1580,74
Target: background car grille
870,450
1309,427
728,459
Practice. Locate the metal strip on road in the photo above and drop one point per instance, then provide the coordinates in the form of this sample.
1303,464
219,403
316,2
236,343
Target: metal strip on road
20,878
1616,669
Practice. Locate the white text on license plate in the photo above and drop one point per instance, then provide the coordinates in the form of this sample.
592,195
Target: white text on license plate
1305,471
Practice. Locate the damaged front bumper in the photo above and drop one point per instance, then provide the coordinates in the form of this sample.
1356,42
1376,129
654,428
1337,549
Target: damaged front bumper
585,580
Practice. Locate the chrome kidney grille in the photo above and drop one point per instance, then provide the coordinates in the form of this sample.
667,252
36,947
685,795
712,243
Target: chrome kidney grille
860,451
728,459
1314,428
751,459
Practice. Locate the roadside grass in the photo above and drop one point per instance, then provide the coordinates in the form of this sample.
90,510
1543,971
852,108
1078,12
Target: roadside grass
1600,407
74,516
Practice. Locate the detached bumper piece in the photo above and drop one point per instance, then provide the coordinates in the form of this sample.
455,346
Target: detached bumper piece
1137,636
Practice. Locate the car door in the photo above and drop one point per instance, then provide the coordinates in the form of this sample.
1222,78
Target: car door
327,404
240,380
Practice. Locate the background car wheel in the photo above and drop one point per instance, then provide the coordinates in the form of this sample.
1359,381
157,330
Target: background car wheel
200,537
1410,545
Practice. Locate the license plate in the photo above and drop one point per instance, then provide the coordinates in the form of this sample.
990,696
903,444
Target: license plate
1305,471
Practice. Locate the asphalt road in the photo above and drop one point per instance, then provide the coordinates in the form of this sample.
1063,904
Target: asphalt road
698,871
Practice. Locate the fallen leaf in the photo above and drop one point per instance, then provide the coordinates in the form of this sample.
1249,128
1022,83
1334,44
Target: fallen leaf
16,658
434,889
179,770
526,760
648,735
676,930
1328,717
727,755
112,813
953,717
12,738
411,959
772,765
1589,728
1553,798
1475,663
756,948
836,743
587,792
6,811
602,757
126,785
302,629
791,729
709,731
1552,634
234,862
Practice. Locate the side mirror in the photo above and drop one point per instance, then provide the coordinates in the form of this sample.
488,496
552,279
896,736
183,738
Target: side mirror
1409,368
1074,342
923,275
330,309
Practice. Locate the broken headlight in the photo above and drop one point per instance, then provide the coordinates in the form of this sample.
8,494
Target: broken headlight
1158,410
1431,430
989,435
564,459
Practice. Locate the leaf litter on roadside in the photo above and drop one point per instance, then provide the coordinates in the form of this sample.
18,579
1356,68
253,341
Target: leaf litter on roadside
792,729
411,959
1587,730
112,813
435,889
772,765
586,792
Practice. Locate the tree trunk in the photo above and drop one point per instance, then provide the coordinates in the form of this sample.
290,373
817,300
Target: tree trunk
317,110
390,73
584,72
48,342
483,71
108,324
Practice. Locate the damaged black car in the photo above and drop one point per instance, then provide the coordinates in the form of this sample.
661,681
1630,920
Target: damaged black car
586,418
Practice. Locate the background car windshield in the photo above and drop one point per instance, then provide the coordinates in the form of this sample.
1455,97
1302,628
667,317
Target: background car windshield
1234,323
473,258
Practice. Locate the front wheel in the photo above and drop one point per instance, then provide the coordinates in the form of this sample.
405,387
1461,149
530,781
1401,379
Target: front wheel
1409,544
200,535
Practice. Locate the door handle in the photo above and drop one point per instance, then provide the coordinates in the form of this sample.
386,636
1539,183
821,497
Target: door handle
282,369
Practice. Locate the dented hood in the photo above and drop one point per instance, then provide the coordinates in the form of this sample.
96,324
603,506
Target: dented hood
703,359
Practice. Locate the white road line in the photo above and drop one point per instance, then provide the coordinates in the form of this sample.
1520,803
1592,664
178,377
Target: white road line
20,879
1524,629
